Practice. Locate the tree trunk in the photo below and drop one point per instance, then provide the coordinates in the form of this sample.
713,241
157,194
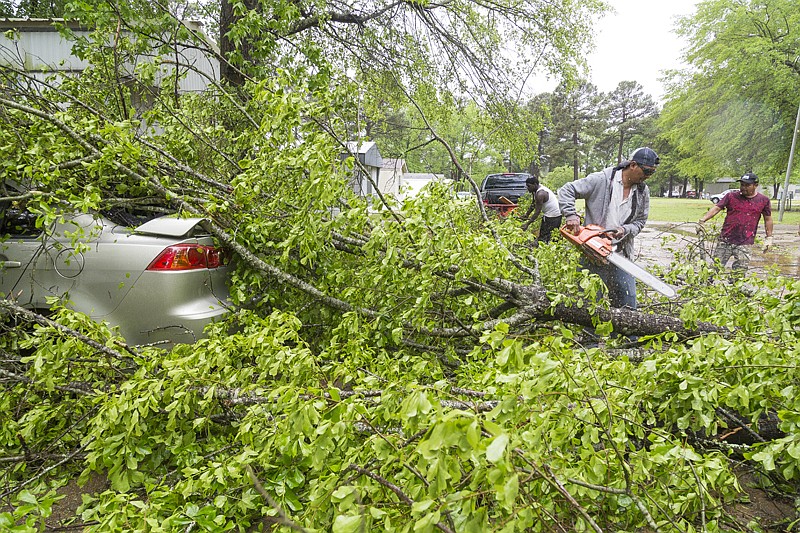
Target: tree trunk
575,156
228,72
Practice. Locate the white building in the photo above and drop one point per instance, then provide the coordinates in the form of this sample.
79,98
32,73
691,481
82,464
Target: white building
368,172
396,180
391,175
36,47
414,183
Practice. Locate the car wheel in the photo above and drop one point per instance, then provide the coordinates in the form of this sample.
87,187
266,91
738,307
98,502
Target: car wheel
714,200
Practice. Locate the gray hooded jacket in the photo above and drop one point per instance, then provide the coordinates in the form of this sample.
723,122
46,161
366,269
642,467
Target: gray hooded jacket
596,190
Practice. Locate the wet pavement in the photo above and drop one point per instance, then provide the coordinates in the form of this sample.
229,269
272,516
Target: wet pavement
655,243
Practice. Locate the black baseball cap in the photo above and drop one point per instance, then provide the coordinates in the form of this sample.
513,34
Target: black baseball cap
645,156
749,178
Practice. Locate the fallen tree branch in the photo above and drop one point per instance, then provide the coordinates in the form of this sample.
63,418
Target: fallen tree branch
395,489
30,316
530,300
626,492
564,492
19,378
47,470
282,518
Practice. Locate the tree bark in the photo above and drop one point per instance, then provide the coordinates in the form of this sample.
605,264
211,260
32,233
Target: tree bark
230,73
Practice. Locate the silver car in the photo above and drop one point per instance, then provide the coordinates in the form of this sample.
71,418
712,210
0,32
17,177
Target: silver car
715,198
161,282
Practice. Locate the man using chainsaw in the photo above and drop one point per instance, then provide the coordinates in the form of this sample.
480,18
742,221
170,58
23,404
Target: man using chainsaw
743,211
544,202
618,200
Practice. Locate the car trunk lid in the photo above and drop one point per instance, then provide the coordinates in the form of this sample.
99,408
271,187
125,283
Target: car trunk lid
172,227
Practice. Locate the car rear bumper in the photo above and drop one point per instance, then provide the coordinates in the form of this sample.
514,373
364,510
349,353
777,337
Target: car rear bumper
172,307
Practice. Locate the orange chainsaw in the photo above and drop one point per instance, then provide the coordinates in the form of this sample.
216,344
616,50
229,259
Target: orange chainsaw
597,243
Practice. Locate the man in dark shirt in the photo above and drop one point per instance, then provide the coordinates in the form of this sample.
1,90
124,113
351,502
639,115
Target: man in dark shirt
744,209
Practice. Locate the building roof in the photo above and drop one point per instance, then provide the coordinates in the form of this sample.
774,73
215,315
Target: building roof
367,153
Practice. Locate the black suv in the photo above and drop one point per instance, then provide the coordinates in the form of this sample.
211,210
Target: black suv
509,185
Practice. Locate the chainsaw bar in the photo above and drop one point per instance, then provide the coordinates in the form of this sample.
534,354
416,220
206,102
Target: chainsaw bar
594,241
642,275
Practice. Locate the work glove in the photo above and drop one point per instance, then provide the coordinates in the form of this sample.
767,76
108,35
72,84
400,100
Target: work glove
617,234
701,228
767,244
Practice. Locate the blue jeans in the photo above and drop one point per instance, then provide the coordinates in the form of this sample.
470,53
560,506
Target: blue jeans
621,285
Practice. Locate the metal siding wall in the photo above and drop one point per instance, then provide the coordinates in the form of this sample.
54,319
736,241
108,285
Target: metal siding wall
41,49
192,80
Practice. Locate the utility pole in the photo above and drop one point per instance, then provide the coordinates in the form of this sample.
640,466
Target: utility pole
789,167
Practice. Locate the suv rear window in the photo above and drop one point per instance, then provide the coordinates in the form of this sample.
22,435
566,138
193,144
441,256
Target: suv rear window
504,181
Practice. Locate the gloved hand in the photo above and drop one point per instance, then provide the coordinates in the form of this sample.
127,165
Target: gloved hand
617,234
573,222
701,228
767,244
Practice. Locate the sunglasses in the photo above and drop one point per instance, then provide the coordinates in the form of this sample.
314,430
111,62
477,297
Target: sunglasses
648,171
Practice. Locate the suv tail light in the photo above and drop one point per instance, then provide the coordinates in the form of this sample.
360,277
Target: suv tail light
189,257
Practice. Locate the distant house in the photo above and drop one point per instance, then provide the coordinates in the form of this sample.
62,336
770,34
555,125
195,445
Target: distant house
413,183
792,190
36,47
721,185
391,176
370,158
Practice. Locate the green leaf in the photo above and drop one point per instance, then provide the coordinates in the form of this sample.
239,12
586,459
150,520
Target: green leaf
421,506
347,524
496,450
27,496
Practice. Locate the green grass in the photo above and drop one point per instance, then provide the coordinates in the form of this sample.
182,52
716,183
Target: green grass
690,210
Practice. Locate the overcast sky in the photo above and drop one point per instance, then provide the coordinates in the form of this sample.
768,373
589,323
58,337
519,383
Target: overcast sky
637,43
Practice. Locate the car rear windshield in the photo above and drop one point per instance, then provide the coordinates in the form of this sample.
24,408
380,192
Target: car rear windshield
504,181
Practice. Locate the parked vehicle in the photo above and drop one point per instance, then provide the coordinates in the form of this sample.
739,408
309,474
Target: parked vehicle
715,198
692,194
502,191
161,282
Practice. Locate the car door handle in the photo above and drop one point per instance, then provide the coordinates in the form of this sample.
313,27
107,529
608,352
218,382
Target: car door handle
10,264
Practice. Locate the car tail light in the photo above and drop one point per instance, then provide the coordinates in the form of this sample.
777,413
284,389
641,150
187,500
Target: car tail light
189,257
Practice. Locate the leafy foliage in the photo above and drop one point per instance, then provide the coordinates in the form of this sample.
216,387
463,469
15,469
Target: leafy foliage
734,111
389,366
526,430
576,123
